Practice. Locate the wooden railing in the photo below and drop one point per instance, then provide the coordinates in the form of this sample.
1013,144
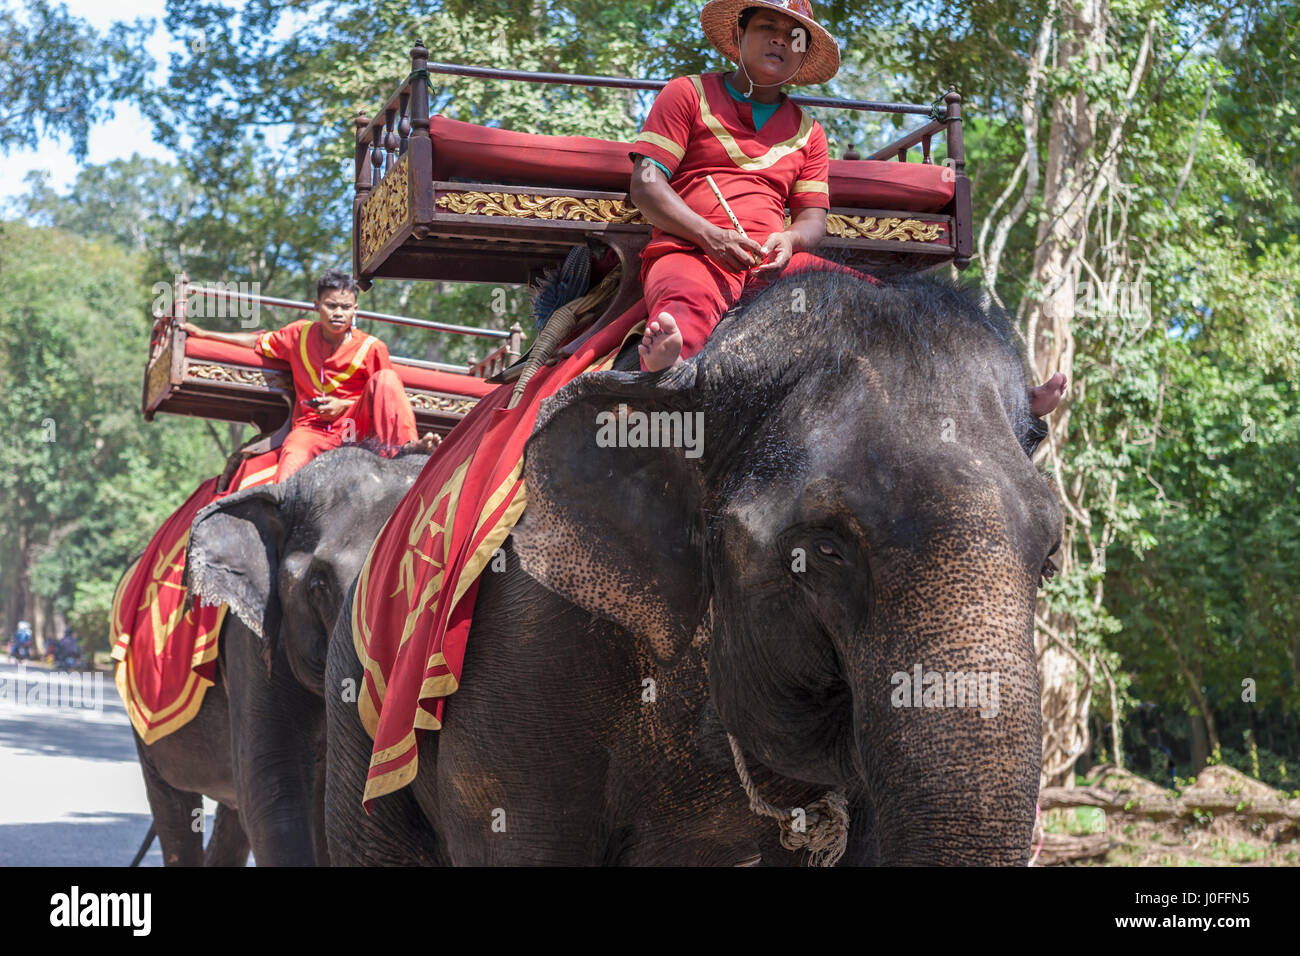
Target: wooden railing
511,340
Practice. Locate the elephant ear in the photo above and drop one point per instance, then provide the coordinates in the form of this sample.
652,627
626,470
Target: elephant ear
617,530
234,556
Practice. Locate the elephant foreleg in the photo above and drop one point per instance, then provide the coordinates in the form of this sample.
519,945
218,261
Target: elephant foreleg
228,845
277,736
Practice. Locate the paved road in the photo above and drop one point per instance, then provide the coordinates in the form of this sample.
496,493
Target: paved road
71,793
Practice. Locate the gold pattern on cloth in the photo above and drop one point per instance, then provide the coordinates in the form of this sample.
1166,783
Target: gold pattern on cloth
385,211
521,206
889,228
165,565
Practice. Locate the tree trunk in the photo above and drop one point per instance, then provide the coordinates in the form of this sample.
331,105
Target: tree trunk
1049,316
1200,746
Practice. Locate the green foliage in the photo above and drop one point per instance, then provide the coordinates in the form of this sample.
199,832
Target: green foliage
59,76
83,480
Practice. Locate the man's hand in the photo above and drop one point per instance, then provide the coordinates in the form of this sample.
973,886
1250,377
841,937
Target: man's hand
330,408
189,328
778,249
731,250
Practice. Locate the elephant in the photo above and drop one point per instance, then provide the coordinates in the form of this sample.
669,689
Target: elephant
280,556
861,522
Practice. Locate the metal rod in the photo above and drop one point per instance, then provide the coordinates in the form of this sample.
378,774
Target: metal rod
361,314
625,83
436,366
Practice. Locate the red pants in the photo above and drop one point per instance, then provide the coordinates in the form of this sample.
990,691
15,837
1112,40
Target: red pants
382,412
697,292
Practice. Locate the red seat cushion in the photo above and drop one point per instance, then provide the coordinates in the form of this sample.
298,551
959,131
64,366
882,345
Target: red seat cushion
469,151
487,154
214,351
412,376
435,381
886,184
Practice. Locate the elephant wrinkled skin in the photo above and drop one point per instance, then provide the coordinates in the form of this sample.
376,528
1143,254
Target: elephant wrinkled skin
281,556
861,507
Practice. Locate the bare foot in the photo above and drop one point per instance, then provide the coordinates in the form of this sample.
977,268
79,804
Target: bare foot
661,346
1044,399
423,446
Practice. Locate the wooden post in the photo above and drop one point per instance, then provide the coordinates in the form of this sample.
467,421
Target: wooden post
965,239
420,148
361,189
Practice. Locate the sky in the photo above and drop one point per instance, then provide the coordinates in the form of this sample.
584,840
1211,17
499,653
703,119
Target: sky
128,132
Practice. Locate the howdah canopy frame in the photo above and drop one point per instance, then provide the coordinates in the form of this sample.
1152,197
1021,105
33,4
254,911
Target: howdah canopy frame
438,199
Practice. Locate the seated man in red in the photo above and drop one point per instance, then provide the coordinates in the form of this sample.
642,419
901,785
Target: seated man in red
764,154
344,384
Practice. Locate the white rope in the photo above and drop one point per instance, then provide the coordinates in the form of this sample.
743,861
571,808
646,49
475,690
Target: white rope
825,822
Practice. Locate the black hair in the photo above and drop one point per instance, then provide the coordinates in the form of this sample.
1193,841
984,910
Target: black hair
747,14
336,279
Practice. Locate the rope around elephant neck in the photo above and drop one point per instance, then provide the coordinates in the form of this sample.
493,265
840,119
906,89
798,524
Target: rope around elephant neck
825,832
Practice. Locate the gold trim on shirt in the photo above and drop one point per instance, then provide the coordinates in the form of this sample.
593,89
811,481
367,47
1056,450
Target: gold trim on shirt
810,186
774,154
663,142
336,380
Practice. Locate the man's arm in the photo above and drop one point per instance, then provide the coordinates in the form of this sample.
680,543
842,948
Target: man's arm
659,203
246,339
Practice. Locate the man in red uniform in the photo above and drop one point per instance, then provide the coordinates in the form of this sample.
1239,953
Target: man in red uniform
764,154
344,385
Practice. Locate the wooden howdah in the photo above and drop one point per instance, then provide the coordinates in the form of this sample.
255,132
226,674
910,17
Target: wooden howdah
243,388
409,225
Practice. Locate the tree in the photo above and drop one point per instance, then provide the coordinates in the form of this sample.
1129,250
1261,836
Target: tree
60,77
83,480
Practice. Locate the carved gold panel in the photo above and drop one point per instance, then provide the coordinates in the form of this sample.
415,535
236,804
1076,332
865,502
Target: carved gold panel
887,228
522,206
386,210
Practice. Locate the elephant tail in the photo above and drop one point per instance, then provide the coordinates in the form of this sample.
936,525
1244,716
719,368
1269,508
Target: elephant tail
148,842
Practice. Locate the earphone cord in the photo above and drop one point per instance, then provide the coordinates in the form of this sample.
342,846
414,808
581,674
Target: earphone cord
752,84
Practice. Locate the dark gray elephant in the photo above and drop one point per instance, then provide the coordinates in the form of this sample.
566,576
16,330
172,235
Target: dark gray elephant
841,579
281,556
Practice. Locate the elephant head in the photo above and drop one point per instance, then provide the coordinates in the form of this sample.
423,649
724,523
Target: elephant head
838,506
282,555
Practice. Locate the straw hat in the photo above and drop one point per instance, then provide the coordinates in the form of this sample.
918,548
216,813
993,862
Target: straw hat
822,59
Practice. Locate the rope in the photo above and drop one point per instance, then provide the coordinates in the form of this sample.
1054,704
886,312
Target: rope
564,320
825,834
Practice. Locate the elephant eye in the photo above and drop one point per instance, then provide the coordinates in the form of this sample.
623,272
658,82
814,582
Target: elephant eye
827,549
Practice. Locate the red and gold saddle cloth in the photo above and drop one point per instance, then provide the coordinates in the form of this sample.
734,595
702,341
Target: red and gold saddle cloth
167,656
416,591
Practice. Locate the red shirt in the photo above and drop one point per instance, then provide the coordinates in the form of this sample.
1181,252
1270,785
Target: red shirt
695,129
317,372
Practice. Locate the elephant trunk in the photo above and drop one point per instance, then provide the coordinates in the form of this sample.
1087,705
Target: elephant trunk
946,705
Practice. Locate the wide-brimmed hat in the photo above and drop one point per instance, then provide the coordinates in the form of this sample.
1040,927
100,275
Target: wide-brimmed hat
822,59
